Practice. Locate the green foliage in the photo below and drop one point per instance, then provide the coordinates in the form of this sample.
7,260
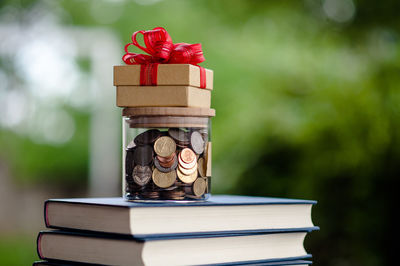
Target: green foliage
32,161
16,250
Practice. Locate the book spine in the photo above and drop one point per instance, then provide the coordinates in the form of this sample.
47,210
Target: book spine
46,214
38,245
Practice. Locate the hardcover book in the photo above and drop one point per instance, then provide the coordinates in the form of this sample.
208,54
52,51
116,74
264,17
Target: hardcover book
114,249
258,263
220,214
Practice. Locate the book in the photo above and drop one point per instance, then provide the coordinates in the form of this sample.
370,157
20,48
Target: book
184,250
259,263
220,214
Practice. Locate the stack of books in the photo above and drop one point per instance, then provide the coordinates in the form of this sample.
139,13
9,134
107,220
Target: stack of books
224,230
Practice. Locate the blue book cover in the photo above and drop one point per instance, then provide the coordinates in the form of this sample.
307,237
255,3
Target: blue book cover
214,200
243,263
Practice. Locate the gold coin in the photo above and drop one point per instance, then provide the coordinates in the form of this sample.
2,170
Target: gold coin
201,167
163,180
199,187
186,178
164,146
188,171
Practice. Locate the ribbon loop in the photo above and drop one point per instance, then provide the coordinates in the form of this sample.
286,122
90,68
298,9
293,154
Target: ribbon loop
160,49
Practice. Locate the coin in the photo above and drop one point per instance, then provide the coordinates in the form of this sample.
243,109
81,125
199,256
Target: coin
179,135
186,178
163,180
179,183
131,145
187,155
129,179
141,175
143,155
166,159
163,169
182,146
147,137
173,195
188,171
184,164
170,188
129,164
169,164
150,195
199,187
197,142
201,167
164,146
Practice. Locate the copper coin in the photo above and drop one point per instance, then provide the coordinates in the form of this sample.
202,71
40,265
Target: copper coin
166,159
150,195
163,169
142,175
199,187
164,146
173,195
169,164
187,155
163,180
147,137
186,178
188,171
197,142
143,155
187,165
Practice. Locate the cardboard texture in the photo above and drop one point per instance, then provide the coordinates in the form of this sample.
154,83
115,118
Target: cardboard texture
168,75
163,96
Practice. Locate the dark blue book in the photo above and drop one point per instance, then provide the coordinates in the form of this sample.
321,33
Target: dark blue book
218,215
117,249
256,263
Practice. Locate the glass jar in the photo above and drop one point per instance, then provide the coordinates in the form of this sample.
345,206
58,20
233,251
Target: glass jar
166,153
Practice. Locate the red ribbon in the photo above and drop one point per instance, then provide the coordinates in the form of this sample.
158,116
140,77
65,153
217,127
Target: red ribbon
161,50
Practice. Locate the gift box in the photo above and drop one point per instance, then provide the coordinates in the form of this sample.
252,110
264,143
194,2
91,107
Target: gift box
166,75
163,96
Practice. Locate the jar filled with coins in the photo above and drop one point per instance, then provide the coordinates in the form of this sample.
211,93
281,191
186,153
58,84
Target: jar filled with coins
167,153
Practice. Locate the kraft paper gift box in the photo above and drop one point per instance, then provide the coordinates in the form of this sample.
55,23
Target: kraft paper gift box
176,85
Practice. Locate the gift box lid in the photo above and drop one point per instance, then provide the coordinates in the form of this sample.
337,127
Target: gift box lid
166,74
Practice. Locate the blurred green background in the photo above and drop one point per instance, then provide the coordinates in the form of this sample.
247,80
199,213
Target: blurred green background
307,95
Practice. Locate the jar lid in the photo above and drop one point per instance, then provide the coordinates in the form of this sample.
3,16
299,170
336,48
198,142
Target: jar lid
168,111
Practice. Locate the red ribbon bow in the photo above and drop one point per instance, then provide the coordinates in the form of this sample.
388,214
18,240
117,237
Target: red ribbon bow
160,49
